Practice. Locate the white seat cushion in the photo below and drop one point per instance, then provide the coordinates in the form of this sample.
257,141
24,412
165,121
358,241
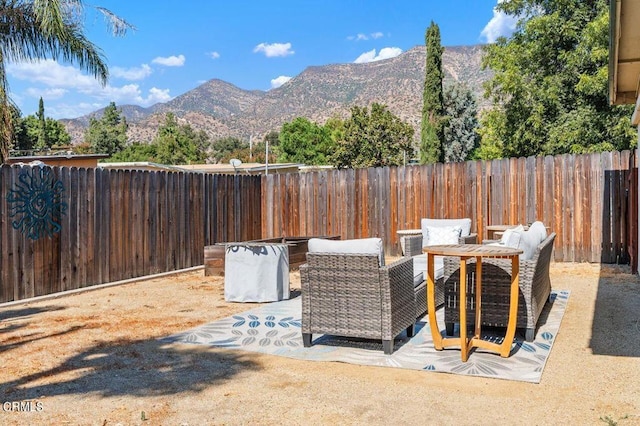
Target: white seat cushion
359,245
420,266
418,278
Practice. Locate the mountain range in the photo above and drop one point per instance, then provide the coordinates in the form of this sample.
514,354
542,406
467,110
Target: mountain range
221,109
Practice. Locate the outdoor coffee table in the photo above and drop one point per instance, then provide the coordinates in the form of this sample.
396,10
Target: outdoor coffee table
465,252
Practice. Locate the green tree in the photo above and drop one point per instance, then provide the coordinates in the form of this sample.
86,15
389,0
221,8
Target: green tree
461,136
260,149
305,142
42,127
56,133
335,126
107,135
224,149
179,144
41,29
27,133
375,138
432,125
135,152
549,88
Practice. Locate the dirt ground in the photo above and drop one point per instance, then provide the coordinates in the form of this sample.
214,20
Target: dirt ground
93,359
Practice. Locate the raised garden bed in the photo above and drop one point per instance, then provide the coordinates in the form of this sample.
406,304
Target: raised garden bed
214,254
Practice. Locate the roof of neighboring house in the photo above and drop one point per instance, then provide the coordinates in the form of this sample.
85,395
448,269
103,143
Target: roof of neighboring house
624,54
140,165
60,159
244,168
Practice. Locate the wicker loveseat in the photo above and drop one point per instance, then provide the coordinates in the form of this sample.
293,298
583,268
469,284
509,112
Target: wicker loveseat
534,282
413,245
352,295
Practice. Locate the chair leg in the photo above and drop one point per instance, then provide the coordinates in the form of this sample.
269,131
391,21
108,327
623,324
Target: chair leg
449,328
387,345
306,340
411,330
530,334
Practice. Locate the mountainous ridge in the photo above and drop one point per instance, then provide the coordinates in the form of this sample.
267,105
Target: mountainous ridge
319,92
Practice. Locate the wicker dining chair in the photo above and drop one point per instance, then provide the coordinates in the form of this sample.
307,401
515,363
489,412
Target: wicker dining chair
352,295
413,245
534,283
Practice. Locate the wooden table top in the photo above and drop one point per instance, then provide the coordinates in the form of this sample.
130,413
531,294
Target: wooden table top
471,250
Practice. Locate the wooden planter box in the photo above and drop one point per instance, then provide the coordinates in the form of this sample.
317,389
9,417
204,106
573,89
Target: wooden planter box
214,254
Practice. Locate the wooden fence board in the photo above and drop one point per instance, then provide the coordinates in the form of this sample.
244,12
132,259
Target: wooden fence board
123,224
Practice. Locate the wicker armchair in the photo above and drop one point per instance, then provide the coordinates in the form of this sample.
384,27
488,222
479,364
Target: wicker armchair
535,288
413,247
351,295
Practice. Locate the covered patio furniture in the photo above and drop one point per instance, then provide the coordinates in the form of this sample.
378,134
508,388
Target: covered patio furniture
348,291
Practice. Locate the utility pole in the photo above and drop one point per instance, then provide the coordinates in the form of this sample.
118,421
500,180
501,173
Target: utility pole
250,148
266,157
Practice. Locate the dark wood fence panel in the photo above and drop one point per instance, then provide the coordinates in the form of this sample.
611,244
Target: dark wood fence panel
585,199
115,225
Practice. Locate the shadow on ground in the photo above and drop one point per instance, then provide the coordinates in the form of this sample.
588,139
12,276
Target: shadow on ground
7,325
131,367
615,329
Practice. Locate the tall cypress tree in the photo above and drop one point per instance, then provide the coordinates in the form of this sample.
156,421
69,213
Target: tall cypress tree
432,134
42,127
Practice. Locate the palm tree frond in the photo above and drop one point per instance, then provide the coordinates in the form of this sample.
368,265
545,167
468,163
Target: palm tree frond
118,25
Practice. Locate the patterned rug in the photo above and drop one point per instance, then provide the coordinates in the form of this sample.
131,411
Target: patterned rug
275,329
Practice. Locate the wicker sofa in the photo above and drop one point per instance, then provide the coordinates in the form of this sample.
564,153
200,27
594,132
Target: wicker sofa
413,245
534,282
352,295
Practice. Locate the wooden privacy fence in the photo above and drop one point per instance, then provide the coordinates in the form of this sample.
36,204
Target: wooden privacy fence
590,201
114,224
67,228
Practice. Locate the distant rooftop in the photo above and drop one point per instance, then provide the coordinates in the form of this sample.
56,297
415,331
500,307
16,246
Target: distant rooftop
244,168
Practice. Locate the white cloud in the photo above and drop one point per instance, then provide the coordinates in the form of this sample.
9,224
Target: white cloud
131,74
170,61
213,55
277,82
500,25
158,95
66,110
50,73
58,81
385,53
46,94
274,49
364,37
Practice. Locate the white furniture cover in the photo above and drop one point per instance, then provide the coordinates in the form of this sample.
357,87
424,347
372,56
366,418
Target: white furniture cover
256,272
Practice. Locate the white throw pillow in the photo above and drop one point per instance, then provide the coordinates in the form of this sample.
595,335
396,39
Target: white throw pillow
464,223
530,239
442,235
511,237
360,246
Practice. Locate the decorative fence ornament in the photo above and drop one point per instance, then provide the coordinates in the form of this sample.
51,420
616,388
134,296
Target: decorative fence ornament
36,202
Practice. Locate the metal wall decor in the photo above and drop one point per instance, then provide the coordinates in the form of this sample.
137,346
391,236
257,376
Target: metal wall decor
36,203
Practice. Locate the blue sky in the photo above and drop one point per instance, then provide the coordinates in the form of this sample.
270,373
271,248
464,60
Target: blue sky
251,44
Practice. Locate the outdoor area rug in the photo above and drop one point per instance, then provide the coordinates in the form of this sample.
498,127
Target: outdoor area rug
275,329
